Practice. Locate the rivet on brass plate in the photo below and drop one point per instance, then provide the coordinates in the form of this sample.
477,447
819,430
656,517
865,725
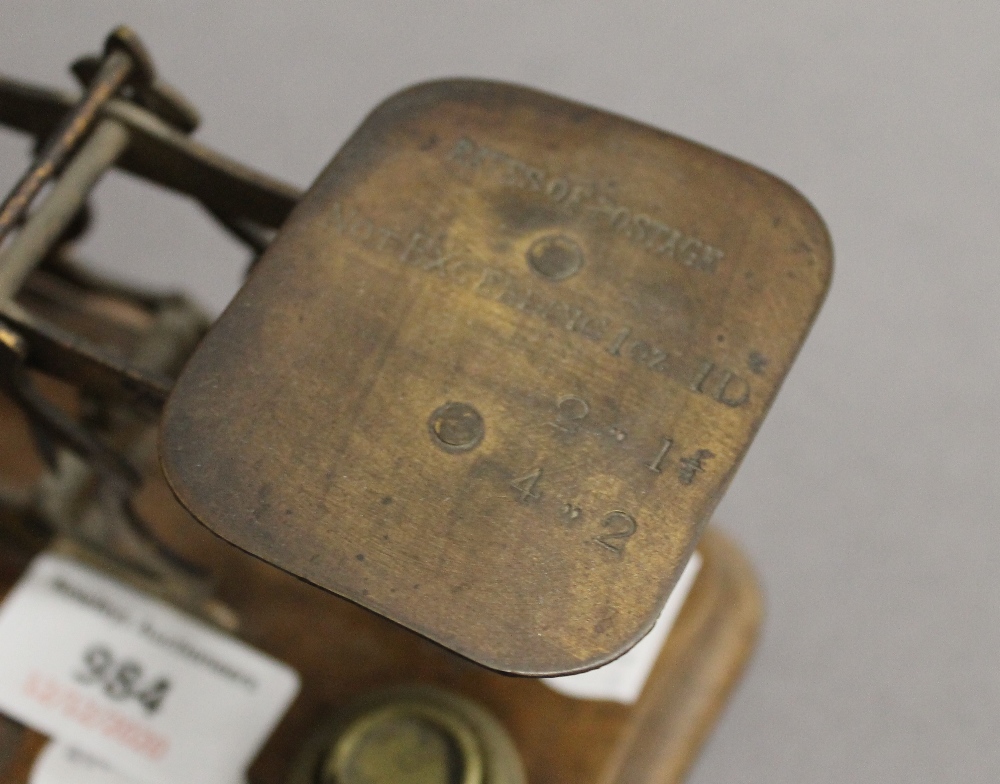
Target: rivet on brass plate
555,257
456,427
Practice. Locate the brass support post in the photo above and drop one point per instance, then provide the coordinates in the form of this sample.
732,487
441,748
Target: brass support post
114,72
26,250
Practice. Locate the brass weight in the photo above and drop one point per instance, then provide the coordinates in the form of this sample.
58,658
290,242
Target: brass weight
417,735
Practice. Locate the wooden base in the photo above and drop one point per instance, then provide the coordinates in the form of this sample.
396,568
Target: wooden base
343,652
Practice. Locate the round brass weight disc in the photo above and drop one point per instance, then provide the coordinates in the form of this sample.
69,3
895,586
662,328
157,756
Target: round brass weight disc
415,735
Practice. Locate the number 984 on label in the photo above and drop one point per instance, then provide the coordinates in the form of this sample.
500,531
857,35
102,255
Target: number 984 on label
121,678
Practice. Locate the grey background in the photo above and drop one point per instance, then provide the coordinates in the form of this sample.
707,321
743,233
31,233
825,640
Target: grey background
868,501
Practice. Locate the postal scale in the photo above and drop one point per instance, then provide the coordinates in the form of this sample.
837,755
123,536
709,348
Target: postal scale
447,452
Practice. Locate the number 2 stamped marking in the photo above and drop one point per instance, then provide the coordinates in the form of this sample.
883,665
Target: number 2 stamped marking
620,527
617,526
573,417
570,413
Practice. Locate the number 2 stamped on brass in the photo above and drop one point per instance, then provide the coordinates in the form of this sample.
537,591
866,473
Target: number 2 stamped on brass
571,418
617,526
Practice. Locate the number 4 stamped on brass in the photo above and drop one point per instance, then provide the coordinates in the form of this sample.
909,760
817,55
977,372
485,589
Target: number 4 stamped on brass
526,485
617,526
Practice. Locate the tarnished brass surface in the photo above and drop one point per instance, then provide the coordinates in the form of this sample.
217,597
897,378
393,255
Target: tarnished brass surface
346,654
497,369
410,735
165,155
159,152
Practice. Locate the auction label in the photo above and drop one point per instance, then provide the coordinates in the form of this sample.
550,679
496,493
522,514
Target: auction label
623,679
151,692
59,763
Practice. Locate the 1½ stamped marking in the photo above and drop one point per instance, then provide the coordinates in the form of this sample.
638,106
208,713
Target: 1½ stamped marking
573,417
656,465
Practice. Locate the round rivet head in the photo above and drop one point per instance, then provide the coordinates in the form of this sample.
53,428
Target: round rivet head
456,427
555,257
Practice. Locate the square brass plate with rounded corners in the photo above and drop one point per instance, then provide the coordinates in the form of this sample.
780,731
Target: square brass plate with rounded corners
496,370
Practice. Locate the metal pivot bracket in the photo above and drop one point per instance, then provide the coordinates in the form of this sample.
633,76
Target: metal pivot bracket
496,370
119,348
144,133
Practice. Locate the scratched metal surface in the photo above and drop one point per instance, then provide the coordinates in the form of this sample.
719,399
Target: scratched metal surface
867,501
497,370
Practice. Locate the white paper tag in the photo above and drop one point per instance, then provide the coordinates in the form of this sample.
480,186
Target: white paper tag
155,694
623,679
60,763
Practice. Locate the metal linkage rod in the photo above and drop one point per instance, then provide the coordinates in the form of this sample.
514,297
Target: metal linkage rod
125,58
68,195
